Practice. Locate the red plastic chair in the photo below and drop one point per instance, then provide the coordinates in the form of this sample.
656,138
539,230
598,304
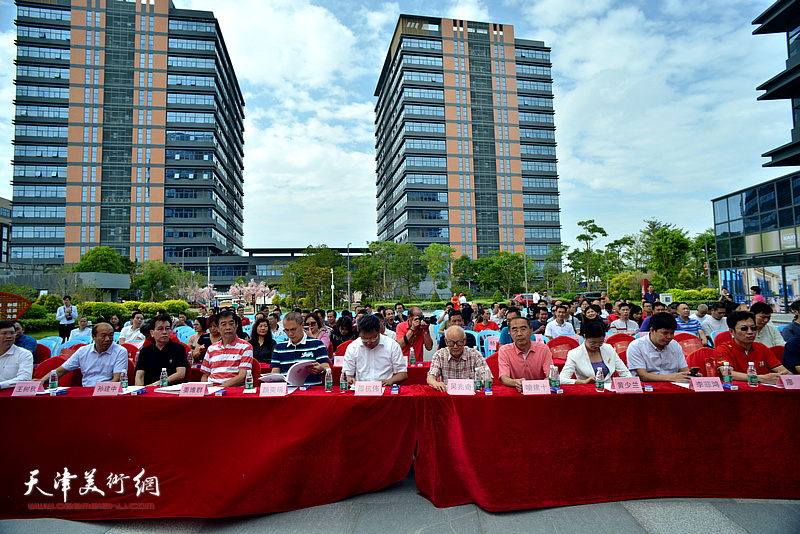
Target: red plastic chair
722,337
494,365
72,349
340,350
77,379
133,352
48,365
561,345
624,357
620,342
688,342
698,359
42,353
131,372
777,350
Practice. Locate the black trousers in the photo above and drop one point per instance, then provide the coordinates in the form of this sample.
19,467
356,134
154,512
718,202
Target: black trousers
64,330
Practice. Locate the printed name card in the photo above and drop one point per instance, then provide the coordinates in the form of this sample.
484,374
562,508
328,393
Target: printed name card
27,389
273,389
706,384
627,385
790,381
193,389
369,389
338,361
535,387
107,389
460,386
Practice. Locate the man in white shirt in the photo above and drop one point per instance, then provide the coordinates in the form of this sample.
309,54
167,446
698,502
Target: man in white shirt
559,326
715,320
101,361
657,357
83,329
16,363
373,357
131,332
701,313
624,325
385,331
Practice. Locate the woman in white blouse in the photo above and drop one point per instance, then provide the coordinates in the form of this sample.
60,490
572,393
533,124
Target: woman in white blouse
593,353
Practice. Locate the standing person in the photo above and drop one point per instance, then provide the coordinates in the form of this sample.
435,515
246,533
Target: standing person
66,316
163,353
651,294
724,296
262,343
414,333
227,361
462,299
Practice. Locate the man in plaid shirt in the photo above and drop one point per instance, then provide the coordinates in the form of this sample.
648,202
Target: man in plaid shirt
455,360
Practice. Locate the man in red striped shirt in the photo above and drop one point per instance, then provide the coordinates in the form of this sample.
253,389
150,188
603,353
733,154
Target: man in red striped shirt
227,361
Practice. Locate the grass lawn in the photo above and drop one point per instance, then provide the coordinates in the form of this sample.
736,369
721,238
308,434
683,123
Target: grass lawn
44,333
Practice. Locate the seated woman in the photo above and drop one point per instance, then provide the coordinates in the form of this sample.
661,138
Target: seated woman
593,353
206,340
262,342
313,328
591,315
343,332
194,340
116,322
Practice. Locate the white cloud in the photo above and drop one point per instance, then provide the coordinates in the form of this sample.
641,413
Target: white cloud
474,10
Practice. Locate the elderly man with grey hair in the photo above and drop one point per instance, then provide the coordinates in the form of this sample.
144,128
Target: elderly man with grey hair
455,360
702,311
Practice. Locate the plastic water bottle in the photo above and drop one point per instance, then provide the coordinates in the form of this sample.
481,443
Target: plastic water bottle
328,380
412,359
343,387
555,378
727,373
164,382
248,379
487,380
478,379
53,384
123,379
599,385
752,376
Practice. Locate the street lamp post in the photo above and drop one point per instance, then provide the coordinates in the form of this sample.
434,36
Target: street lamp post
348,276
331,287
183,258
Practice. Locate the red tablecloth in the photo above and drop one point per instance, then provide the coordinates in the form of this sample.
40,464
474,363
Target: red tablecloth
213,456
510,452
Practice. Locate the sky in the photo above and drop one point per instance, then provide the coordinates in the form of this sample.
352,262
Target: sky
655,102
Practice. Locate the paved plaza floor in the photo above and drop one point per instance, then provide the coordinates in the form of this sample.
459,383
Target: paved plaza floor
399,509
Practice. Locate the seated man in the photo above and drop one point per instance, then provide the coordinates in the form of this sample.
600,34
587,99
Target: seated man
657,357
83,330
16,363
101,361
457,319
227,361
686,324
658,307
299,347
385,331
505,337
455,360
715,320
162,353
791,355
744,348
21,340
767,333
243,320
540,324
374,357
559,325
523,359
647,308
624,325
792,329
131,332
700,314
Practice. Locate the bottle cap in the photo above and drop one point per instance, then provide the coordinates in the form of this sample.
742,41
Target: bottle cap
749,363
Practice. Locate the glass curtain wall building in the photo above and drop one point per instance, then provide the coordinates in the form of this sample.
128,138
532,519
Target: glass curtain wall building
465,139
128,133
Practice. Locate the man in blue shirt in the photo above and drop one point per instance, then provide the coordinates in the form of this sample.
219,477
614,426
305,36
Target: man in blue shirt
21,340
298,348
651,294
102,361
687,324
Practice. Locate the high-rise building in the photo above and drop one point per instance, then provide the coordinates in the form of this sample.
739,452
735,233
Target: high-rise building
128,133
465,139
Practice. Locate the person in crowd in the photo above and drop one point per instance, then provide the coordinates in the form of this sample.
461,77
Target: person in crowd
275,326
131,332
792,329
442,320
456,360
593,353
502,309
505,337
574,320
647,309
757,296
374,357
723,295
227,361
100,361
744,348
181,320
701,313
467,312
385,331
545,297
330,320
715,320
658,307
657,357
559,326
400,313
343,331
116,322
21,340
494,313
83,329
624,325
162,353
262,342
767,333
415,333
16,362
686,324
457,319
299,347
388,319
614,315
590,316
607,312
195,346
486,323
214,334
313,328
540,323
651,294
66,316
637,315
523,360
243,321
791,355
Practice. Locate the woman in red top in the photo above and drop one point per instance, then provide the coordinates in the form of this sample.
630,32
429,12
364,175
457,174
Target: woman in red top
485,323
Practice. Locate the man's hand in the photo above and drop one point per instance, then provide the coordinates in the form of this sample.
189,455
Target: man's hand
769,378
386,382
683,377
518,384
351,380
317,369
438,386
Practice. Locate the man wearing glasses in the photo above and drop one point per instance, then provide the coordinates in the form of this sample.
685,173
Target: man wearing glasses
657,357
455,361
743,349
16,363
374,357
163,353
102,361
456,319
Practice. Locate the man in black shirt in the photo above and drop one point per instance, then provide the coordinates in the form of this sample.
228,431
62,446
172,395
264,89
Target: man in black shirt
456,319
163,353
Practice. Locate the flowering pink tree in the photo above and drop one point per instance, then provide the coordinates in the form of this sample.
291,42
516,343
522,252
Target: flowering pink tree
236,291
205,294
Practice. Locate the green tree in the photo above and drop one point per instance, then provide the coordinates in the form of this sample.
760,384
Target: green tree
624,285
590,234
554,262
437,259
100,260
697,263
509,270
407,268
311,274
669,252
155,279
463,270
